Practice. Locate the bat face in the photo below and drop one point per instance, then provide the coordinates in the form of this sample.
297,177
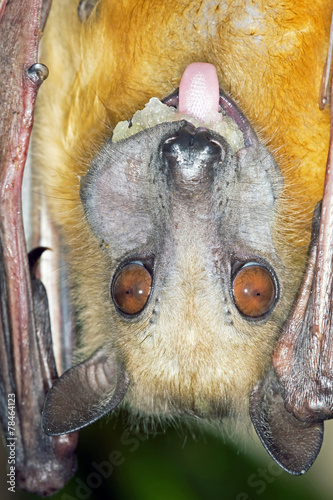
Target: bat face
192,285
192,276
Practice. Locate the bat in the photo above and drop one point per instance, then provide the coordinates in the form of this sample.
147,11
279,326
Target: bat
184,228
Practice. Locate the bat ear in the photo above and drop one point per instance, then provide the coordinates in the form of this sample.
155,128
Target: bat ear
293,444
84,393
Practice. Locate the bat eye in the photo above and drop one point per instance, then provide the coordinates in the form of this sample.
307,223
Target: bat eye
254,290
131,288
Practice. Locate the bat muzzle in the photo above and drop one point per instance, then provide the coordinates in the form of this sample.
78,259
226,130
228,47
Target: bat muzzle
190,157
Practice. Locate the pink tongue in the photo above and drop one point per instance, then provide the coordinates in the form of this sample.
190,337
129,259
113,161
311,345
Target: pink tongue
199,92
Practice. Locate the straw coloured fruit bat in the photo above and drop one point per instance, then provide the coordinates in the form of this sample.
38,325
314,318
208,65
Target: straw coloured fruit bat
184,228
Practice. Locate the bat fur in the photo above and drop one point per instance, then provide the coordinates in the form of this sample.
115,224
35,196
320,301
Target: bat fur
184,356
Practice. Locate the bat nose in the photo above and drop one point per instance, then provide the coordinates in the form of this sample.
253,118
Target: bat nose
190,157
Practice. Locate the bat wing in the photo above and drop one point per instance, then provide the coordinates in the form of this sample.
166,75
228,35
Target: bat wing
27,368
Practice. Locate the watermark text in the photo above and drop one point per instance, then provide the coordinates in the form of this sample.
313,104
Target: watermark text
11,444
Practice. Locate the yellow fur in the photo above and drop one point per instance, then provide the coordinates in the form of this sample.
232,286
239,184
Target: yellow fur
269,56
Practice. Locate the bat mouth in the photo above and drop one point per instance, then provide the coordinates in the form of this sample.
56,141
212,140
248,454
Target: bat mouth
200,101
227,106
199,95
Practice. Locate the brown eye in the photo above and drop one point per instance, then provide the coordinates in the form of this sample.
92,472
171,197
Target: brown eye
254,290
131,288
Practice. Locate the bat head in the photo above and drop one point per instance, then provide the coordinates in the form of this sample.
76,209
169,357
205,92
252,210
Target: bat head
193,284
186,224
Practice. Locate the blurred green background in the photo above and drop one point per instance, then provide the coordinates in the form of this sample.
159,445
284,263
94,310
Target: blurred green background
173,464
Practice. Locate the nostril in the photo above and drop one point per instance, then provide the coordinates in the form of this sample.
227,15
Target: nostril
216,147
169,146
210,144
169,140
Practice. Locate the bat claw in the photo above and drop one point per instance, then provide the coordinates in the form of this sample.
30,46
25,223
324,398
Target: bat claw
37,73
